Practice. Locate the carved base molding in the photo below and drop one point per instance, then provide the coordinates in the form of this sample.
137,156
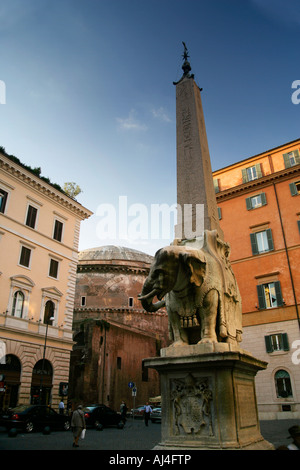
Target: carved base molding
209,401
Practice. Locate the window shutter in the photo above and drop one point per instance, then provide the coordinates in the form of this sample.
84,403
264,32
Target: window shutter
293,189
263,199
278,294
254,245
298,221
244,175
261,297
258,170
219,213
248,203
270,239
285,342
287,161
268,342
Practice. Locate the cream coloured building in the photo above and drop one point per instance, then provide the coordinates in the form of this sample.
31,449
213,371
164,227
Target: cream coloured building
39,235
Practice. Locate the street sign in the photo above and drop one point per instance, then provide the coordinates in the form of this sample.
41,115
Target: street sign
134,392
131,384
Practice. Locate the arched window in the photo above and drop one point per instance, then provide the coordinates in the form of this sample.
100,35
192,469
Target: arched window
41,384
283,384
18,304
49,312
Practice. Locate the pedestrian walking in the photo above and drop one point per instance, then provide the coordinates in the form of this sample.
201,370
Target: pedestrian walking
78,424
61,407
147,411
123,411
294,432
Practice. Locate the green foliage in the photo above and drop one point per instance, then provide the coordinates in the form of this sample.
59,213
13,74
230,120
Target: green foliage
35,171
72,189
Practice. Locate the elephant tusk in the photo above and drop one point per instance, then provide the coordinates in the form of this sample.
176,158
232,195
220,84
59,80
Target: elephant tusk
147,296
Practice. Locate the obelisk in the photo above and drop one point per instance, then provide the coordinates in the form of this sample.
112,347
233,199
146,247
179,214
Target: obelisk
207,386
196,199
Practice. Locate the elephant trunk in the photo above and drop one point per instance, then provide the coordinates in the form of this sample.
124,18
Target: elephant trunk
147,296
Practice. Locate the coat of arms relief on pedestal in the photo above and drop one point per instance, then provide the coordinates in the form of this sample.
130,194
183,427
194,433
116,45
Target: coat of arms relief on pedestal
191,406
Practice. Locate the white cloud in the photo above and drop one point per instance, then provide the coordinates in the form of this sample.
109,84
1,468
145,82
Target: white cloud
131,122
161,114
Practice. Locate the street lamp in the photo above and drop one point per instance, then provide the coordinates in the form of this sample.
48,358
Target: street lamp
44,354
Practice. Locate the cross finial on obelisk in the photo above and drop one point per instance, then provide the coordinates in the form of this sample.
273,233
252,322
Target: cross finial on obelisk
196,197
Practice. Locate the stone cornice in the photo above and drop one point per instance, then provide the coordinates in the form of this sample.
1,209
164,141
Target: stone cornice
97,310
29,179
105,268
259,183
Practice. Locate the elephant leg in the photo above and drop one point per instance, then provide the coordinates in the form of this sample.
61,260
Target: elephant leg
208,317
179,335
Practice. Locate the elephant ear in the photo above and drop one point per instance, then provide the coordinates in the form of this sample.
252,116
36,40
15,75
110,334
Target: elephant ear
195,263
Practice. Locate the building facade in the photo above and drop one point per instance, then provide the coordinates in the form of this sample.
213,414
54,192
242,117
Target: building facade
259,211
112,332
39,234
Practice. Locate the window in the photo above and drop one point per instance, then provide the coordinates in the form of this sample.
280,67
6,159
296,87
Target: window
291,158
277,342
251,173
295,188
18,304
25,256
261,242
269,295
256,201
130,302
216,185
283,384
53,269
31,216
58,229
3,199
83,301
144,373
119,363
49,312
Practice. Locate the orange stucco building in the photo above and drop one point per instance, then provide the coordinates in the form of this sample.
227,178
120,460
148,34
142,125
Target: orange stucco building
259,212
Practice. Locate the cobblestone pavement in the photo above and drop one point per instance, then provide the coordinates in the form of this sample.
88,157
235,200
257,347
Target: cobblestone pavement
135,436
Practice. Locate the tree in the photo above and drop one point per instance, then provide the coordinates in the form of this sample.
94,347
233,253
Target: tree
72,189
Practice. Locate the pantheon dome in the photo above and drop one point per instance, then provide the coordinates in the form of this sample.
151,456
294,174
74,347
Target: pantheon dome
112,331
114,253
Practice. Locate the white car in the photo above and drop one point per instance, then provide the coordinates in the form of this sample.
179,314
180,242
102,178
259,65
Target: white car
155,415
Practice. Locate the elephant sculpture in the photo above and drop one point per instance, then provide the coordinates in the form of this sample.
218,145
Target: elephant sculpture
195,282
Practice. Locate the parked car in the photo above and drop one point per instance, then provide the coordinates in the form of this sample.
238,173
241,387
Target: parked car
155,415
33,417
138,412
101,415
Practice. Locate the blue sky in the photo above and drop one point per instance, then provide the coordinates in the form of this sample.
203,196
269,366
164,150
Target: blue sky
90,95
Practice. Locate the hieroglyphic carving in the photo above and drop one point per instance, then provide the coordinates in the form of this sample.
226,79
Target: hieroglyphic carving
191,398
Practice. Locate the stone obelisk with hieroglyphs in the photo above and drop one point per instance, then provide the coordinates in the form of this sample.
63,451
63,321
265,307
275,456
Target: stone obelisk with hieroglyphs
196,200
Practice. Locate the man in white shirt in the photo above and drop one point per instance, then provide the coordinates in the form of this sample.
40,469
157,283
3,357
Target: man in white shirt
61,407
147,411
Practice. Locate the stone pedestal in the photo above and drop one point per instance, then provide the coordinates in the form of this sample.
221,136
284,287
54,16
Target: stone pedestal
208,398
